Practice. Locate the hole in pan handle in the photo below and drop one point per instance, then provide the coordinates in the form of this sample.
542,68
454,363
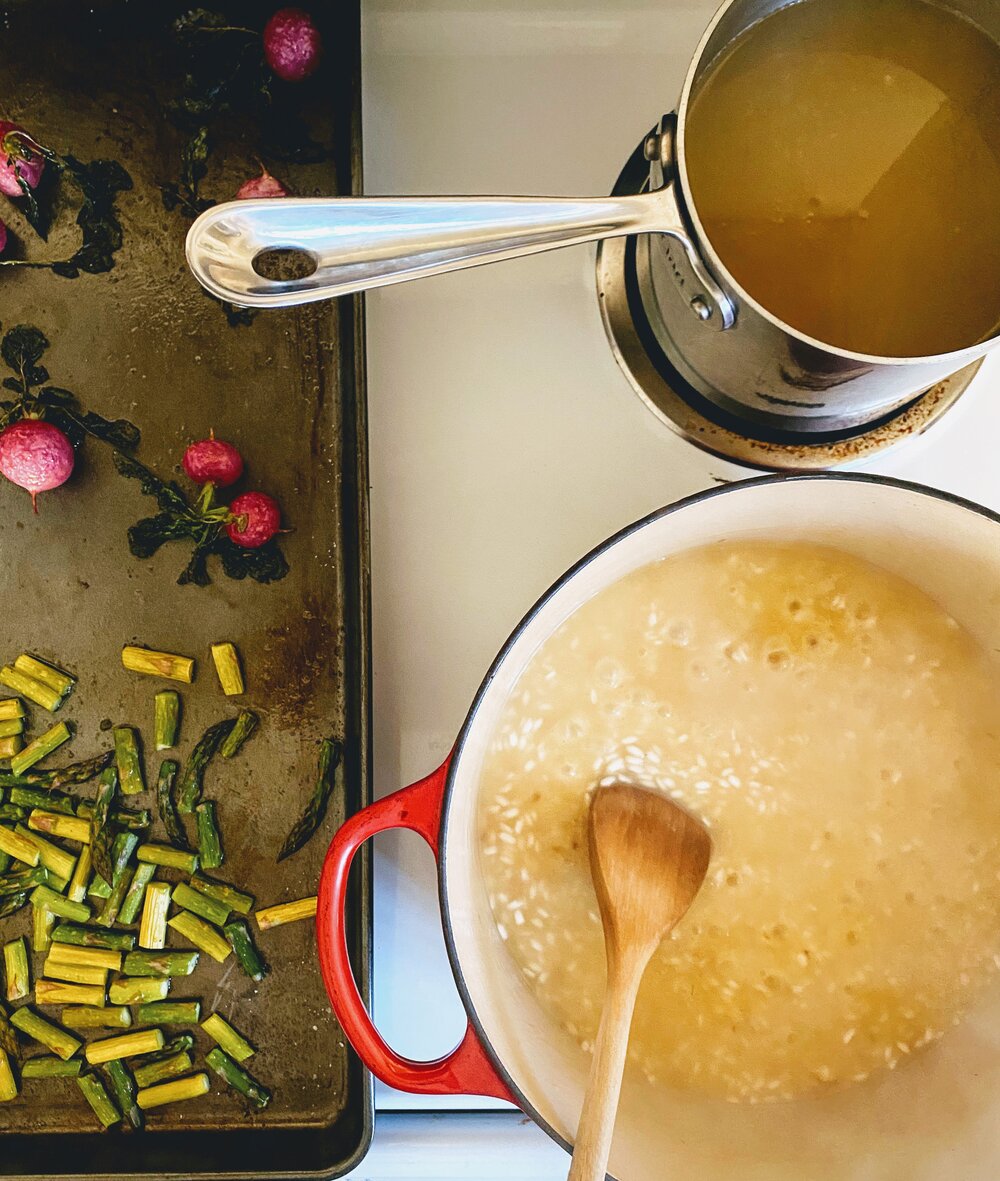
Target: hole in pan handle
466,1070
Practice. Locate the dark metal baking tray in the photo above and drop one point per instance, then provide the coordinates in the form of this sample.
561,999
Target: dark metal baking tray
144,343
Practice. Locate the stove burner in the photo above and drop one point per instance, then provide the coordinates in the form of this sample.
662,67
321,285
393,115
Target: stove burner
641,354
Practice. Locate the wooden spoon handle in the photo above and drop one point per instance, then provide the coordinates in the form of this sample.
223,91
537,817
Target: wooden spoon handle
600,1104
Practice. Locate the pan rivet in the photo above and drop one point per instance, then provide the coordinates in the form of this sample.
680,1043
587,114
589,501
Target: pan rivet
701,308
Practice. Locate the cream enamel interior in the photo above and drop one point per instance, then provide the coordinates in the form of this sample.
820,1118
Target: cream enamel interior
936,1116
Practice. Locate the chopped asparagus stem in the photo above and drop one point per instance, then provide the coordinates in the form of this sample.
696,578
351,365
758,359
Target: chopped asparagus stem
12,728
125,1091
8,1038
125,844
60,777
10,812
287,912
62,683
86,957
169,1013
129,1045
160,963
245,725
158,664
227,665
45,1033
181,1042
18,847
8,1084
99,1099
165,855
52,992
166,716
234,1043
241,941
55,859
136,893
12,903
139,990
148,1072
16,972
70,828
23,879
102,835
175,1091
153,929
43,745
89,937
43,920
128,760
258,1096
47,1067
11,708
26,686
165,803
241,903
74,973
201,935
135,821
92,1017
192,780
209,841
44,798
201,904
330,754
77,891
5,858
77,912
9,747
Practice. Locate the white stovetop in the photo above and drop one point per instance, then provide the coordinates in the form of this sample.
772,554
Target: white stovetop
504,440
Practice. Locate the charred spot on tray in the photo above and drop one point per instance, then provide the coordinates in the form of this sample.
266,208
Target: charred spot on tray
284,264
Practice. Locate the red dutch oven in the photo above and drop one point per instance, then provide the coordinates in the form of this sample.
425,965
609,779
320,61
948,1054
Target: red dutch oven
937,1117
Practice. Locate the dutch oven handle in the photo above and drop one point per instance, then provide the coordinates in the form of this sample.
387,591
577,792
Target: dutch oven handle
466,1070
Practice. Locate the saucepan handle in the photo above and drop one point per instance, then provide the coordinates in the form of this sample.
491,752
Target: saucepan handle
466,1070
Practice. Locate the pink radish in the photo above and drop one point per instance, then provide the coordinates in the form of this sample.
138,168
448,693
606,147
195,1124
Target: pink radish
292,44
213,461
254,519
264,185
12,166
35,455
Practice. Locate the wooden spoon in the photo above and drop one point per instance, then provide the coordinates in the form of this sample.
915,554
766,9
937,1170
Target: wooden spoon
648,858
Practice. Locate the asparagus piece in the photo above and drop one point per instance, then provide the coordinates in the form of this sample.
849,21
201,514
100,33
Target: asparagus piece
227,665
287,912
200,904
52,992
26,686
43,920
234,1043
209,841
11,746
149,1072
45,1033
138,991
241,903
8,1038
74,973
78,912
9,812
11,708
18,847
23,879
15,967
125,844
93,1017
5,858
169,1013
165,803
77,891
62,683
101,833
8,1084
49,1067
175,1091
165,855
243,727
166,717
160,963
60,777
158,664
191,782
56,860
12,728
122,817
70,828
241,941
128,1045
201,935
136,893
43,745
89,937
128,760
98,1098
37,797
153,929
12,903
258,1096
330,754
178,1044
125,1091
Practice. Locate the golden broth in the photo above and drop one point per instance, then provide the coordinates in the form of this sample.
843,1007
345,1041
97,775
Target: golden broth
838,733
844,158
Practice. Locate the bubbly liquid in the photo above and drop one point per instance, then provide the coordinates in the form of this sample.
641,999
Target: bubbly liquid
844,157
838,733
